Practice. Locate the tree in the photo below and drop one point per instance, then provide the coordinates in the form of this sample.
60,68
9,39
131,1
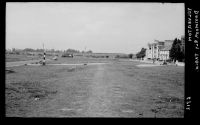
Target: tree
141,54
90,51
176,52
72,51
28,50
130,55
39,50
13,49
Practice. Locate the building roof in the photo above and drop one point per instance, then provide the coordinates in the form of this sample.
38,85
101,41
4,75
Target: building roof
160,47
167,47
169,40
159,43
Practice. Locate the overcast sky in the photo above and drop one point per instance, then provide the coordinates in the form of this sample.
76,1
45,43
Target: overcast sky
101,27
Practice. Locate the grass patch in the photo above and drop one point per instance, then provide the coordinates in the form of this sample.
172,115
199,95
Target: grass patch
22,96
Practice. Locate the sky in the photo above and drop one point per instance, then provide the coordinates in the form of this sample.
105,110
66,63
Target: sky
100,27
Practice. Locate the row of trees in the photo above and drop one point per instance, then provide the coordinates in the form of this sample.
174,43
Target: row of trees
71,51
77,51
14,50
125,56
31,50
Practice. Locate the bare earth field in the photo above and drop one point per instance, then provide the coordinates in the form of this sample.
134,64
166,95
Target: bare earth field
116,89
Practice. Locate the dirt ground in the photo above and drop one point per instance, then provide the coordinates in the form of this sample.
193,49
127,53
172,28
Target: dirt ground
116,89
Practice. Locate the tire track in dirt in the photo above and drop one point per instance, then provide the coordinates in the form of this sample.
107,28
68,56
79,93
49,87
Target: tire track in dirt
99,101
109,92
114,94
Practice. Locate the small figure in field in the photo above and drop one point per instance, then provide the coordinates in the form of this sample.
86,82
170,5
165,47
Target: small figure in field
153,60
176,62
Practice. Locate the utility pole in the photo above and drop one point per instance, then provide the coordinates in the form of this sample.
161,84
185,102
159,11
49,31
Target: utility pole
44,56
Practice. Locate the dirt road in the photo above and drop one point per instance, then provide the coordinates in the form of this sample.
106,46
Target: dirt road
110,90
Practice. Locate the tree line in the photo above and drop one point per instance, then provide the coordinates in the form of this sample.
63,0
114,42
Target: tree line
15,50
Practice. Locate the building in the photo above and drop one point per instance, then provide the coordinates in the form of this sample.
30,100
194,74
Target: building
164,52
159,50
153,50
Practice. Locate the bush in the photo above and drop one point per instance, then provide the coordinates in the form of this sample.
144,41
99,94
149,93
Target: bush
130,56
121,56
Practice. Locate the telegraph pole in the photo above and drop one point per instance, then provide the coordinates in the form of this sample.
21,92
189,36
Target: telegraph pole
44,62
